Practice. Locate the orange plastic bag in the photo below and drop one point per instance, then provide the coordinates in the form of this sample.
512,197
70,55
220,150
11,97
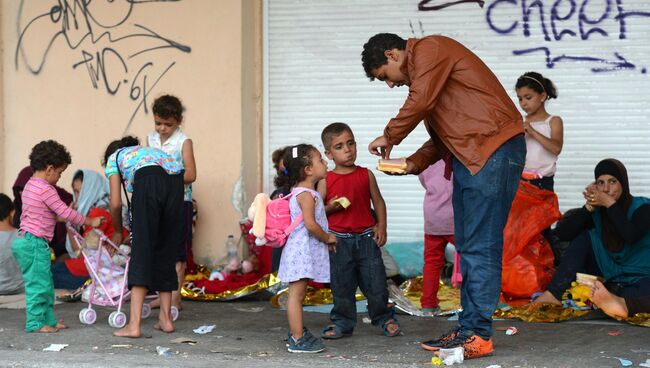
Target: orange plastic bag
527,256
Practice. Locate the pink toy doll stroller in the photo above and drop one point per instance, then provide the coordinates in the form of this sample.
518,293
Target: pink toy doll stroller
108,266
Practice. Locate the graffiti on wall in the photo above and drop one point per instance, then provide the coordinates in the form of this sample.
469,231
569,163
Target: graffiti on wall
551,22
116,53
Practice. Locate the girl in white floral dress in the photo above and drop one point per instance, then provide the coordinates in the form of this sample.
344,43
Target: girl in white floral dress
305,256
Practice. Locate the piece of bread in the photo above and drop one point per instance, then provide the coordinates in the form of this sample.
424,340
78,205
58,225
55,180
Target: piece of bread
585,279
395,165
342,201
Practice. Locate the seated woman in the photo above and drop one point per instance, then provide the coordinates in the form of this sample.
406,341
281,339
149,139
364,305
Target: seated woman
90,191
611,238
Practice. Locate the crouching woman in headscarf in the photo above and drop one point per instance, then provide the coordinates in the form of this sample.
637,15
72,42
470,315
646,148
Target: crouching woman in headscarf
611,238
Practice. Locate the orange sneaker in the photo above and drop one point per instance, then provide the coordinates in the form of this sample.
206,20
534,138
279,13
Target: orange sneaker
474,345
442,341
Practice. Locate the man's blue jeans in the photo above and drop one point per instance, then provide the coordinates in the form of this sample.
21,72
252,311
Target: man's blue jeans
357,262
481,205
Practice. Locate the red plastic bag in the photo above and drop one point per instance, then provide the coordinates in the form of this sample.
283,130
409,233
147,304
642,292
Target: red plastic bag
527,256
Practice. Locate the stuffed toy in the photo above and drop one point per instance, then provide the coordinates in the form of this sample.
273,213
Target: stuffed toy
220,272
119,258
257,214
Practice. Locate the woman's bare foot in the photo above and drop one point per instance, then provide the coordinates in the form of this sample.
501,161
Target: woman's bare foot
48,329
547,298
611,304
60,325
167,326
128,331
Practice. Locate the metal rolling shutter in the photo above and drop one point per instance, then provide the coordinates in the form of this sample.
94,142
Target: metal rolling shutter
313,76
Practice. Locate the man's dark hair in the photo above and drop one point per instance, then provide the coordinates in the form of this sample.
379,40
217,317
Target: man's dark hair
333,130
168,106
49,153
372,56
127,141
6,206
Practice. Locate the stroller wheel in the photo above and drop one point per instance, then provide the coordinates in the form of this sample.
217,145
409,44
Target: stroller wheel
117,319
175,313
87,316
146,310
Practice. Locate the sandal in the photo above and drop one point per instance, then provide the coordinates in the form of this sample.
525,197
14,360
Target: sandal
389,322
333,332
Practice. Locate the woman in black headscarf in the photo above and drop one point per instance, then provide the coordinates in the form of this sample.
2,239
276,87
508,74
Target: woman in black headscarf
611,239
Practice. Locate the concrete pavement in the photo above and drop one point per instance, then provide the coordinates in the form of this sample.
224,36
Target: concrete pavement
251,333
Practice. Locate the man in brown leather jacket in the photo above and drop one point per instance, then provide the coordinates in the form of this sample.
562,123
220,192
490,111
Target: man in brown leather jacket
476,128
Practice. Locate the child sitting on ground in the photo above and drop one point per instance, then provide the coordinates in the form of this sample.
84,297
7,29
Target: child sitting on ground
438,231
41,206
305,256
11,282
357,261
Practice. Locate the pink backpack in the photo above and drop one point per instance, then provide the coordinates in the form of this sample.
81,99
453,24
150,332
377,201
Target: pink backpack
278,222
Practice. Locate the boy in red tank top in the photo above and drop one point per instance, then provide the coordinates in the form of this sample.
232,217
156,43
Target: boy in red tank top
357,260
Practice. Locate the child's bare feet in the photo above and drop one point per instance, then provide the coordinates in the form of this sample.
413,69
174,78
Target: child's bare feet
611,304
176,302
48,329
155,304
60,325
166,326
128,331
546,297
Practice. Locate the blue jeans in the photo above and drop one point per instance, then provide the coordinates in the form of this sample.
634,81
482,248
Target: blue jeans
357,262
481,205
64,279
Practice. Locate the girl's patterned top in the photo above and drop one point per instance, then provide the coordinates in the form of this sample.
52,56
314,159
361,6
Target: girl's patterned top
136,157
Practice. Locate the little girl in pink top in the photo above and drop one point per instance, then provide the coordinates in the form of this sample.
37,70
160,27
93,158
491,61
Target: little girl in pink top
438,231
41,206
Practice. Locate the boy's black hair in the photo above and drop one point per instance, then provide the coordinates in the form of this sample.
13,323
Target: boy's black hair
127,141
537,83
168,106
6,206
373,55
331,131
296,166
48,153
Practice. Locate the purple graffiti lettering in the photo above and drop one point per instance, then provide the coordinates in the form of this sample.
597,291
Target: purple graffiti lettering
622,15
526,10
422,6
582,19
556,17
610,65
588,17
488,17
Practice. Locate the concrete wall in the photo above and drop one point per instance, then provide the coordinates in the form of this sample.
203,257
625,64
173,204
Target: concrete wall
86,76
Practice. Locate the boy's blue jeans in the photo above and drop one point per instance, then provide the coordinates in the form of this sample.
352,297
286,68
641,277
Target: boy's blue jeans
481,205
357,262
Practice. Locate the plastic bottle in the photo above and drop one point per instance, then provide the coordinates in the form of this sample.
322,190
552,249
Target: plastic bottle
231,246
